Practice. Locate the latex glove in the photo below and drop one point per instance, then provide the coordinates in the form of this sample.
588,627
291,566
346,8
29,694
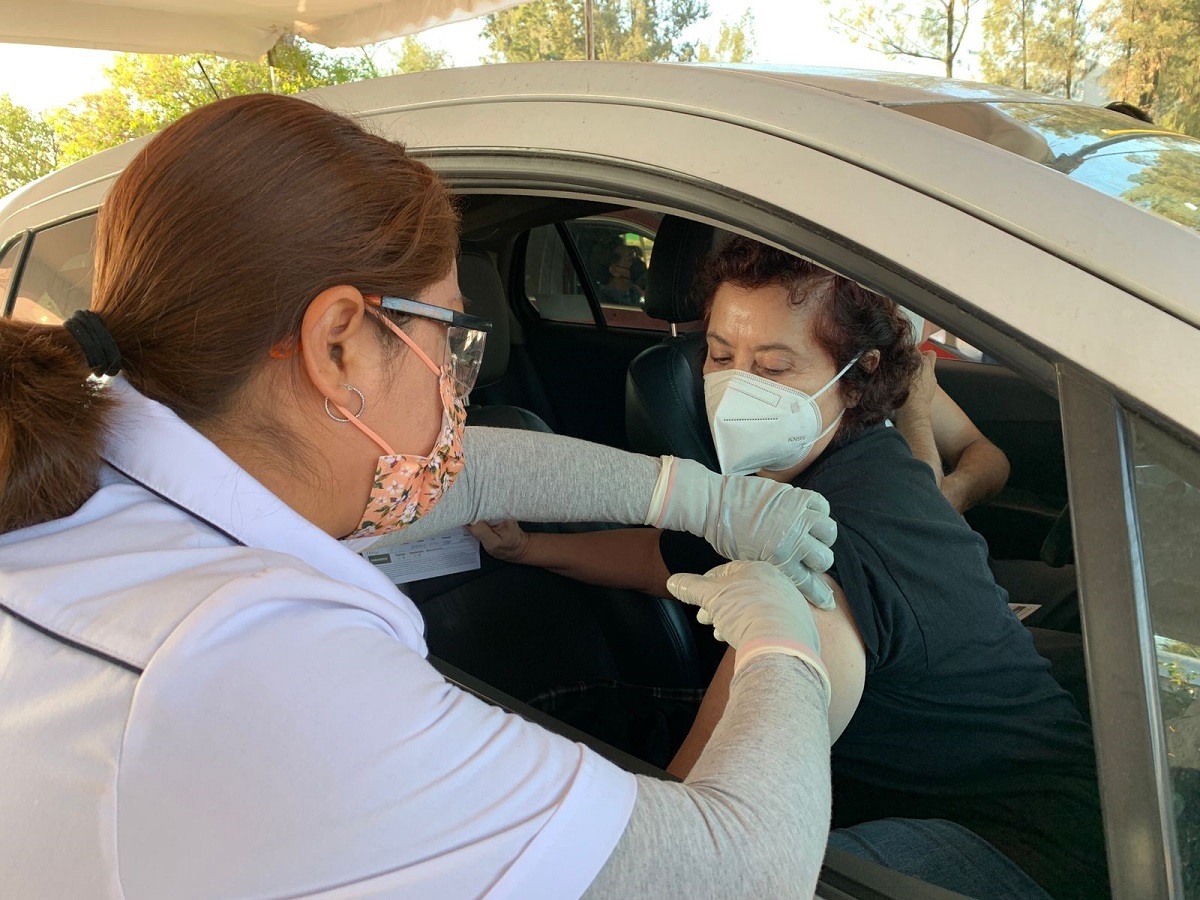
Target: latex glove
504,540
751,518
756,609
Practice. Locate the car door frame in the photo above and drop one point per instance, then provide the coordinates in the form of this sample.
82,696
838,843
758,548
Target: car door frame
1118,640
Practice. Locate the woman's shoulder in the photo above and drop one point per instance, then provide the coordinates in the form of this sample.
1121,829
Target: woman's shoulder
875,467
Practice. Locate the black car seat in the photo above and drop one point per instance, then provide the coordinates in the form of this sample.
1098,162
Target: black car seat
527,630
664,396
484,292
508,383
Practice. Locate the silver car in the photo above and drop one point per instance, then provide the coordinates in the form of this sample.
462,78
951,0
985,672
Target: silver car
1057,245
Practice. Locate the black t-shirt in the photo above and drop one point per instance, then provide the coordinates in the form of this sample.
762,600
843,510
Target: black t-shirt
960,718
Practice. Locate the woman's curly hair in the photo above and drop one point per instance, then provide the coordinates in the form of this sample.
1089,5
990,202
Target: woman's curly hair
852,322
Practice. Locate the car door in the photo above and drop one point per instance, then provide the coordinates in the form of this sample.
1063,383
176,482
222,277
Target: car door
999,290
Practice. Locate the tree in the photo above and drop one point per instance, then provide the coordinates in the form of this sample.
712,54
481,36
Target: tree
1154,48
624,29
735,42
147,92
1008,39
1066,40
1039,45
414,56
935,31
27,146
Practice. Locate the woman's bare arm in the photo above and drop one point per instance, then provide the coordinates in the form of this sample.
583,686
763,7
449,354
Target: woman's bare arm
622,558
844,657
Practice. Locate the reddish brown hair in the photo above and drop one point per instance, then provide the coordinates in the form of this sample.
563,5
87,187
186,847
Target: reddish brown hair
210,247
852,322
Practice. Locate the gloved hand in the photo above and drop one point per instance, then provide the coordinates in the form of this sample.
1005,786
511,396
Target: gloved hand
751,518
755,609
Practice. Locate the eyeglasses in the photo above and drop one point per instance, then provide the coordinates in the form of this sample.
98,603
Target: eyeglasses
465,337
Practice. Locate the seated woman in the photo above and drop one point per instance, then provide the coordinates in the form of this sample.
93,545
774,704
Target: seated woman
955,733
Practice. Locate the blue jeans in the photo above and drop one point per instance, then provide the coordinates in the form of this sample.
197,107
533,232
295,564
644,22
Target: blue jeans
940,853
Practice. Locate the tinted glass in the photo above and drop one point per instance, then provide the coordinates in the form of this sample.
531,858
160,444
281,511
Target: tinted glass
551,283
615,249
57,278
1167,491
7,263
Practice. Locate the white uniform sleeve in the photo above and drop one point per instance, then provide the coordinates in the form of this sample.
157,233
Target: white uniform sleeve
284,748
534,477
753,817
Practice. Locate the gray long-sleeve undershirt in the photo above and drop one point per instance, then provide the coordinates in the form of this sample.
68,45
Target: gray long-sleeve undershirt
536,477
753,817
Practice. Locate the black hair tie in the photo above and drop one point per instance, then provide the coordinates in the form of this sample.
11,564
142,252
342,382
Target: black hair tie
99,347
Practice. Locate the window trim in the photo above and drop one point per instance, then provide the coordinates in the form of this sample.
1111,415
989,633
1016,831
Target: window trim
1118,642
23,241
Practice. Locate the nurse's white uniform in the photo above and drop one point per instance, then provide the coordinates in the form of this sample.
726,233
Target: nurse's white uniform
203,695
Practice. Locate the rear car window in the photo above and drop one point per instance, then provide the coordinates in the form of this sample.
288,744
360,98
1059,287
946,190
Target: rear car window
609,258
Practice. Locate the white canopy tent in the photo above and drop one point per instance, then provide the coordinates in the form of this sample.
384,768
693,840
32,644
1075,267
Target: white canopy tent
241,29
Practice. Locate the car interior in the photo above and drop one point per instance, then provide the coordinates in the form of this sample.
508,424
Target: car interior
561,358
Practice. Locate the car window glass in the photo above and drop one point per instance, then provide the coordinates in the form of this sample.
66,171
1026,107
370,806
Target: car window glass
7,263
945,344
57,277
615,249
1167,491
551,283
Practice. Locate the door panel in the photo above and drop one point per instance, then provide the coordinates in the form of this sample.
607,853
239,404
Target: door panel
1024,422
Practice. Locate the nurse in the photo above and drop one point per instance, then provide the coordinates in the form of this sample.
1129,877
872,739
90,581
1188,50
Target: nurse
203,693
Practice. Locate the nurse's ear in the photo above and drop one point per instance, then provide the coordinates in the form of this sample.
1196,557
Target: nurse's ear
333,340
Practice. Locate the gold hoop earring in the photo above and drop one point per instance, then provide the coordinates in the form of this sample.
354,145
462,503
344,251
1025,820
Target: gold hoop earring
362,404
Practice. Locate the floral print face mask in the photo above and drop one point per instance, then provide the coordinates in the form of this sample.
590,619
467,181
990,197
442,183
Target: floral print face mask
407,486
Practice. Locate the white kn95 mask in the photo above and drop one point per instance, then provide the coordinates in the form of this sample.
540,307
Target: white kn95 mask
760,424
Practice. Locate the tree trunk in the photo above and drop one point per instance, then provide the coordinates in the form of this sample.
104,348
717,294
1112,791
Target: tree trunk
950,38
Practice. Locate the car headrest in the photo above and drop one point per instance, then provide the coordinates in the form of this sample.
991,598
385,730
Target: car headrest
679,247
484,293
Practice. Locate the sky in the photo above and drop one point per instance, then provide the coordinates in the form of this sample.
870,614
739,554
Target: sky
786,32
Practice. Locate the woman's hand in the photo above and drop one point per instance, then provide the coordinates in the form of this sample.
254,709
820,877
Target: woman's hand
505,540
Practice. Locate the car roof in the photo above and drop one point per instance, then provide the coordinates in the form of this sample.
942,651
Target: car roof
893,88
851,115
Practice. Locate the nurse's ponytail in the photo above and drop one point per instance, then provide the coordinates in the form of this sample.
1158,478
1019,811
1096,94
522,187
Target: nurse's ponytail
209,248
51,424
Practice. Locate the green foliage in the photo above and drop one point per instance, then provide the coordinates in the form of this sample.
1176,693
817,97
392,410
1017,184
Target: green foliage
1008,35
147,92
934,31
27,146
1155,51
646,30
735,42
1039,45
